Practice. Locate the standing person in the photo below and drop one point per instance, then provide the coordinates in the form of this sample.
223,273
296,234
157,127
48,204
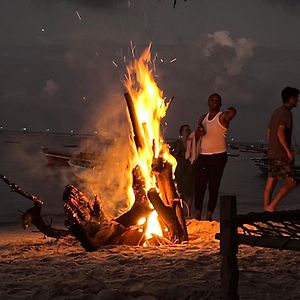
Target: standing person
280,154
184,170
211,162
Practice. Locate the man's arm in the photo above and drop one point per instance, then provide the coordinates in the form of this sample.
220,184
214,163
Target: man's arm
227,116
281,137
229,113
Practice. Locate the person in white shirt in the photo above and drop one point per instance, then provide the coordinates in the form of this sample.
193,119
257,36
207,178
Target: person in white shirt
210,164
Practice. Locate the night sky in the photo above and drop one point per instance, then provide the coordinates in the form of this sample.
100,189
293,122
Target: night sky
62,62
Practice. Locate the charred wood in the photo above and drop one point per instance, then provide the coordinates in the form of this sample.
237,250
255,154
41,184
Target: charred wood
140,207
167,216
167,188
33,216
137,131
18,190
88,223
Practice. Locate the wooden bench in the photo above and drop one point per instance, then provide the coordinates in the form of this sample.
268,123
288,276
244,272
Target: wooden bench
279,230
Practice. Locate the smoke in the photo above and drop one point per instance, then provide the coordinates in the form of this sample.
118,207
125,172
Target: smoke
229,56
242,48
50,88
109,181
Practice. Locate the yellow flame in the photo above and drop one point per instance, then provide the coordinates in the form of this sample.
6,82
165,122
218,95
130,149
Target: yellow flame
153,226
150,107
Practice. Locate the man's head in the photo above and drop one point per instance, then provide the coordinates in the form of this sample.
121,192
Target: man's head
214,102
290,96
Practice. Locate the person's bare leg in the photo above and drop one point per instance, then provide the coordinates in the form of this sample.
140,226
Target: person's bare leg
289,185
268,192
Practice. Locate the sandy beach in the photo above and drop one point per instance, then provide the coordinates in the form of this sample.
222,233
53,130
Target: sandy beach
35,267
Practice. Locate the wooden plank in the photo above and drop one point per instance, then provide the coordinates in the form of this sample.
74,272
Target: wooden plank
228,248
282,243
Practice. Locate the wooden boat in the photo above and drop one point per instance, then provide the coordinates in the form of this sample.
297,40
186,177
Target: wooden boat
65,159
56,159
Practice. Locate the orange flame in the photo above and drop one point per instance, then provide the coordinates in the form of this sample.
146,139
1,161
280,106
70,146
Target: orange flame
150,107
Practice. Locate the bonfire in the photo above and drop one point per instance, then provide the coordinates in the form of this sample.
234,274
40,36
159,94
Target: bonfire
155,214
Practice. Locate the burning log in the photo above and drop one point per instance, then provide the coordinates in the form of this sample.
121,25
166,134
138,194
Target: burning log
140,207
165,182
138,137
89,224
86,219
146,132
167,216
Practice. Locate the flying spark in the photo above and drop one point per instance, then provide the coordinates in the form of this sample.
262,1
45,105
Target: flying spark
174,59
132,49
78,15
116,65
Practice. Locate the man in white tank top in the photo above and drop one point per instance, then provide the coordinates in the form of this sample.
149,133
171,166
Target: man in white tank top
210,164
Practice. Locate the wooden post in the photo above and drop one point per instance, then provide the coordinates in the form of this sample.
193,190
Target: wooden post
228,248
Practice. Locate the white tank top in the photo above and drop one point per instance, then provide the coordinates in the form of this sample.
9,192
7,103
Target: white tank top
214,141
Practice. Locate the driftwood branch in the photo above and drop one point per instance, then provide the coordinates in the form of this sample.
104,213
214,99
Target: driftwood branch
33,216
18,190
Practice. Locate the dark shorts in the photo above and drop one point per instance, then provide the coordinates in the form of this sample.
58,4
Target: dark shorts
281,168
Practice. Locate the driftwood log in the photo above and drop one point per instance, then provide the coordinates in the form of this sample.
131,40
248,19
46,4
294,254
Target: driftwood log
33,215
89,224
